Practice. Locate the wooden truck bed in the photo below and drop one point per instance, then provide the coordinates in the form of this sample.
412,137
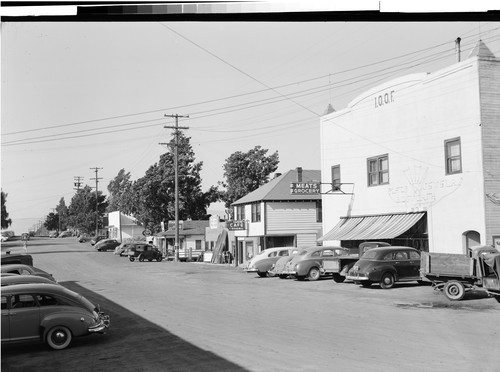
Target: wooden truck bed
446,265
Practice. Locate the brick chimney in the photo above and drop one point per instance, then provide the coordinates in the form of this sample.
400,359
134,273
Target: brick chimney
299,174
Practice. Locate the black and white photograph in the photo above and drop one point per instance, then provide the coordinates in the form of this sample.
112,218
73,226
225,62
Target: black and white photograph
250,186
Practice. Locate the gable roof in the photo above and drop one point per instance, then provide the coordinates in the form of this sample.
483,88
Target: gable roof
278,189
481,50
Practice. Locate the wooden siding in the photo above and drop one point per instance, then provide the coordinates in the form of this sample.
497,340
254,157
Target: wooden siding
291,217
306,240
489,85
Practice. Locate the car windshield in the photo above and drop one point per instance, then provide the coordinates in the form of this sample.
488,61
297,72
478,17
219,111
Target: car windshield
369,255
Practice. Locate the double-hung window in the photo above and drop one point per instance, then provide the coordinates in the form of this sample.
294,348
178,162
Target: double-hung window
240,212
256,212
453,156
336,177
378,170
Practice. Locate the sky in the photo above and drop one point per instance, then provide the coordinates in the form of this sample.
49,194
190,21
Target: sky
81,95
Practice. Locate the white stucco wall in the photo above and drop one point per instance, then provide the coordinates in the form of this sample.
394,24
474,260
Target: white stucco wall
409,119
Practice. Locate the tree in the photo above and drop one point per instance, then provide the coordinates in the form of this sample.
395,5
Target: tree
82,210
245,172
6,221
118,189
62,215
152,198
52,221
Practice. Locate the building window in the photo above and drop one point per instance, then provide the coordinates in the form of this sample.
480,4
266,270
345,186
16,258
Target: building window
453,156
240,212
378,170
256,212
197,244
336,177
319,211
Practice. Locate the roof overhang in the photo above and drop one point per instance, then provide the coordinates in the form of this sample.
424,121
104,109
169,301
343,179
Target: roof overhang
382,226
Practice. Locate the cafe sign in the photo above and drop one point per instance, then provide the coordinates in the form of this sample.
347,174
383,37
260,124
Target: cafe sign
305,188
236,225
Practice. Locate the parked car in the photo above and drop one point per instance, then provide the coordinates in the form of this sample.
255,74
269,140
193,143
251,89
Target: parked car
279,266
53,234
48,312
144,252
309,262
97,239
24,279
21,269
107,245
263,262
386,266
123,248
83,238
25,259
65,234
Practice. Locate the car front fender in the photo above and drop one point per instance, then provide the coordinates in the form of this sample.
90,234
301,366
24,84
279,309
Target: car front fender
77,322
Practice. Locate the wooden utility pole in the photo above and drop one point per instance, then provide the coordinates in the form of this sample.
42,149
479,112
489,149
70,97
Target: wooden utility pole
176,166
96,201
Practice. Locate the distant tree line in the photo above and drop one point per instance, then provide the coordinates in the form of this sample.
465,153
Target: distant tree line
151,198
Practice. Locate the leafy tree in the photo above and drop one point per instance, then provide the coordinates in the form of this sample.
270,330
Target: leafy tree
6,221
52,221
62,215
82,210
118,188
152,198
245,172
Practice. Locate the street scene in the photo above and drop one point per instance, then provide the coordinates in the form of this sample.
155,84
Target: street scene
250,187
197,316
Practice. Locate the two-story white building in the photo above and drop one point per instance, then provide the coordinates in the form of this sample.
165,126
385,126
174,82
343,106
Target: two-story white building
276,215
417,160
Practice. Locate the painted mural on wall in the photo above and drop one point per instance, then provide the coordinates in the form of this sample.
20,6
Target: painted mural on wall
419,193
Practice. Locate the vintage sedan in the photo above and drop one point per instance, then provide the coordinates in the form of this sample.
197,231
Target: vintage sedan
279,266
24,279
20,269
50,313
143,252
386,266
309,262
107,244
263,262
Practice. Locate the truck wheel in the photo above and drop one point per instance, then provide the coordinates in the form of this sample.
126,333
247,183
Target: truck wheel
132,259
338,278
59,337
141,258
454,290
159,258
262,275
387,281
314,274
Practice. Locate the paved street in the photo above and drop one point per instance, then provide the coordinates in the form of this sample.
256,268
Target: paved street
192,316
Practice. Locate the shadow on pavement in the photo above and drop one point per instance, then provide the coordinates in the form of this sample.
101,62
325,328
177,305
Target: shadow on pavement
132,343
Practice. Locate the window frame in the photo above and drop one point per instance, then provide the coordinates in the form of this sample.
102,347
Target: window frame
336,182
378,172
449,158
256,212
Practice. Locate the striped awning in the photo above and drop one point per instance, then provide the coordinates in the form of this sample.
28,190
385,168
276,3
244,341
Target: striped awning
384,226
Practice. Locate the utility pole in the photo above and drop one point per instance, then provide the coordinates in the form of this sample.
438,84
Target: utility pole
176,166
77,182
96,170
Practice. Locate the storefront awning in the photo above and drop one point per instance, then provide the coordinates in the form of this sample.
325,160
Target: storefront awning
385,226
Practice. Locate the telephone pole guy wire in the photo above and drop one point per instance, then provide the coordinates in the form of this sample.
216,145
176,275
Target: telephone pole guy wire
176,166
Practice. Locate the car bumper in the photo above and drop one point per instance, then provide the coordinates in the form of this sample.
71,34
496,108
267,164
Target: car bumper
357,277
102,325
